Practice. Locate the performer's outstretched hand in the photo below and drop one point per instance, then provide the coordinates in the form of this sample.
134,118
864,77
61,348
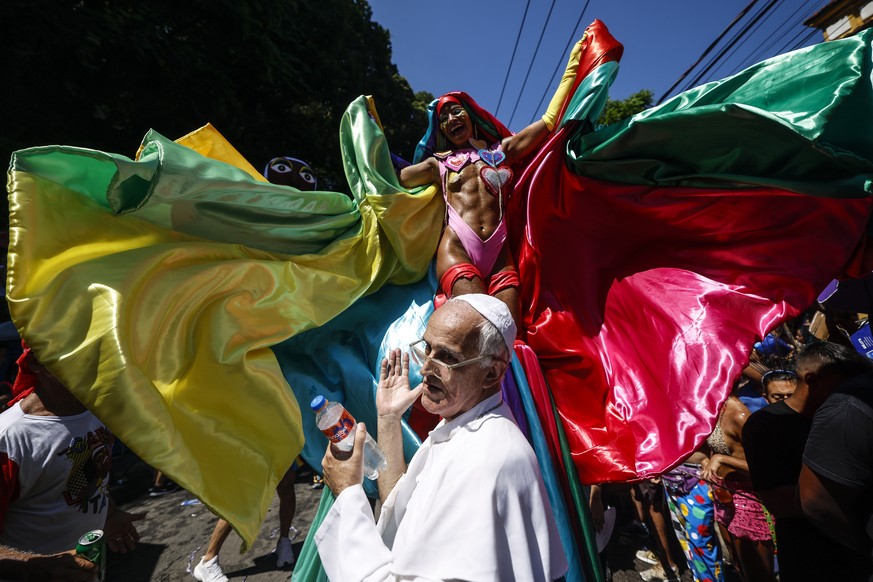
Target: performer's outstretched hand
393,396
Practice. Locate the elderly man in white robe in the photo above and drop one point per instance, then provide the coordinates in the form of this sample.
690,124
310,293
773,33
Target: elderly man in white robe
472,504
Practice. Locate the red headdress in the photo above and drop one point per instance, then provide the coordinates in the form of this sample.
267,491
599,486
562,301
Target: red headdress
487,127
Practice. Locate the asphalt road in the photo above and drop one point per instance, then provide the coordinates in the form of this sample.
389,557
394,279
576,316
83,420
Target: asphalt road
174,536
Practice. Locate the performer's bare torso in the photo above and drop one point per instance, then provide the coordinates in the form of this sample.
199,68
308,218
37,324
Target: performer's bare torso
467,195
471,200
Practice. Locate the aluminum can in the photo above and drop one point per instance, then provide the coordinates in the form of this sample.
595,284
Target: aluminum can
92,547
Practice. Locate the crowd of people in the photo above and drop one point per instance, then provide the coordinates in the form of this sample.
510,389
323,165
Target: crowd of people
781,489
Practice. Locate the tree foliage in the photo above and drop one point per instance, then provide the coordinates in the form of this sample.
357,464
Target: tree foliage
616,110
273,77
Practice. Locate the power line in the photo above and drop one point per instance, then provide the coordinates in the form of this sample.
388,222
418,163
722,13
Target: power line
736,38
742,42
558,65
542,33
787,46
509,68
800,43
803,41
708,49
777,35
790,45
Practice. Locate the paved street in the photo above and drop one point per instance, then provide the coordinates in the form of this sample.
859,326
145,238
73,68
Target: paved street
174,536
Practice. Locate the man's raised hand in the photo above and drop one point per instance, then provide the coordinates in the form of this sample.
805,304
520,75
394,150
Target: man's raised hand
393,396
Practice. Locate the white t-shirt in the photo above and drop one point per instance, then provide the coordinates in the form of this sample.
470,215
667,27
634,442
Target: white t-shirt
54,473
471,506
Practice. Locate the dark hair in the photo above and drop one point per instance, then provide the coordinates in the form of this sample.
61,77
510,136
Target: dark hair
778,376
834,357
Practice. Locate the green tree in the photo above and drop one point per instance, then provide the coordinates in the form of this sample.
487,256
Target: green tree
616,110
273,77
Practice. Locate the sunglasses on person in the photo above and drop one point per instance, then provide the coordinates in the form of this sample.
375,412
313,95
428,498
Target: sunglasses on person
419,355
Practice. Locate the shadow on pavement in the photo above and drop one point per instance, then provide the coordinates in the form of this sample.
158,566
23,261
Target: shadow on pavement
137,565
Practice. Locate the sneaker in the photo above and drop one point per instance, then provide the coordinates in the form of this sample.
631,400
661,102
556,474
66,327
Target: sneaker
284,553
209,571
647,556
159,490
657,574
317,482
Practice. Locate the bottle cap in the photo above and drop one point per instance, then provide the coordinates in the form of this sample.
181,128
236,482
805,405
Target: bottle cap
318,402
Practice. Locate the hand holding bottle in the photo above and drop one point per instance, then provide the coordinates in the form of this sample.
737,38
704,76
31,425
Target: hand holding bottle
338,425
343,469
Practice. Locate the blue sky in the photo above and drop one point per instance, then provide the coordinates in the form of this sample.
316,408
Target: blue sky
467,46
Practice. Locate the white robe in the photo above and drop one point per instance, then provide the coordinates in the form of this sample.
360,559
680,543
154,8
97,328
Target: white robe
471,506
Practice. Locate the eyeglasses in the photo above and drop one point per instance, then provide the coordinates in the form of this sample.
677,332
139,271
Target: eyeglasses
453,111
420,357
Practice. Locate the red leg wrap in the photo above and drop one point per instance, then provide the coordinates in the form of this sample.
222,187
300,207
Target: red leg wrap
503,280
458,271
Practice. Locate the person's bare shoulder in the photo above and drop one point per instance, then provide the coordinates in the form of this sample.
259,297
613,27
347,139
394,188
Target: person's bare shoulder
735,416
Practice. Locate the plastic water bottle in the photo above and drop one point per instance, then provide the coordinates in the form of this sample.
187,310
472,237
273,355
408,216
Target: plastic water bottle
335,421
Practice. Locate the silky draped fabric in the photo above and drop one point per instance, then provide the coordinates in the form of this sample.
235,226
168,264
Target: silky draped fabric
644,294
639,348
572,531
797,122
341,358
141,298
208,141
652,255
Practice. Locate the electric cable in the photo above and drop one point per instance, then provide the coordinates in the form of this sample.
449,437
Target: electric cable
573,34
738,17
727,58
512,59
694,82
530,67
798,44
792,43
764,51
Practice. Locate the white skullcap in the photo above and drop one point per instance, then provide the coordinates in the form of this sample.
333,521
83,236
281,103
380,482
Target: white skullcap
495,311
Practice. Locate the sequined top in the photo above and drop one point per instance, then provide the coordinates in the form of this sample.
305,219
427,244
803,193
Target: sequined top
716,439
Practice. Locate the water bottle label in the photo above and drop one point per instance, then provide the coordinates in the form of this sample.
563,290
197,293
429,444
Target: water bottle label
343,428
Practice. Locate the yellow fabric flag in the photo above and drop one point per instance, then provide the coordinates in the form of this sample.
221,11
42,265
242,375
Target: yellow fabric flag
154,289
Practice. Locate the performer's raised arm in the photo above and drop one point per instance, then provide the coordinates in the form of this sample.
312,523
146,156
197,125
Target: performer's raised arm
426,172
534,135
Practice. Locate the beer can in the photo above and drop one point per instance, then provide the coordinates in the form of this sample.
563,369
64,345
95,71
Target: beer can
92,547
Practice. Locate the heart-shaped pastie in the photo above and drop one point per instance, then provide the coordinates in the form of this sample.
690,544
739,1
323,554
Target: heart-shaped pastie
496,179
457,161
492,157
